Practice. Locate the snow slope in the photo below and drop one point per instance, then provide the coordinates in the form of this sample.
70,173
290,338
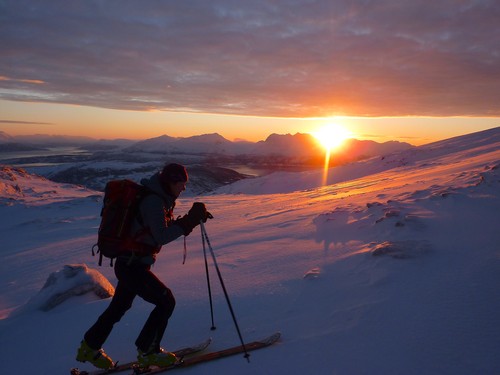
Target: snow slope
392,268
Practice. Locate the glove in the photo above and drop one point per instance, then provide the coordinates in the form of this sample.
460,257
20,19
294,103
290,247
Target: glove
197,213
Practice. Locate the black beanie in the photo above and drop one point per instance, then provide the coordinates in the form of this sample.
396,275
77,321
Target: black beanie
173,173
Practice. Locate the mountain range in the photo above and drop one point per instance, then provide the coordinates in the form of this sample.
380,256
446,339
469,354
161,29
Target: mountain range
299,145
211,159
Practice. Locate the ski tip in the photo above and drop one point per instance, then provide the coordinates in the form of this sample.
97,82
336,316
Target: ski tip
272,339
205,344
193,349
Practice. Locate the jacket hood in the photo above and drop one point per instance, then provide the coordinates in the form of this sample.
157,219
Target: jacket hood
155,185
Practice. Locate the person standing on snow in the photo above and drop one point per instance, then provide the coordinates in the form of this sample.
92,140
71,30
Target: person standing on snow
134,272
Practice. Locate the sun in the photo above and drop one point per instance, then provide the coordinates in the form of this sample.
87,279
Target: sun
332,136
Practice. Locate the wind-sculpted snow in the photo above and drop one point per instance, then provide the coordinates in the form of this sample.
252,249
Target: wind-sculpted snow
72,280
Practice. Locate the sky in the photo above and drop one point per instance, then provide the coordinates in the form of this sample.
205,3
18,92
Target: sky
386,69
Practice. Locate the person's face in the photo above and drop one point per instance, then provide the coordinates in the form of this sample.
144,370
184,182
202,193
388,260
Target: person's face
177,188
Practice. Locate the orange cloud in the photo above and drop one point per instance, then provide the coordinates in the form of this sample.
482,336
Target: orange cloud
33,81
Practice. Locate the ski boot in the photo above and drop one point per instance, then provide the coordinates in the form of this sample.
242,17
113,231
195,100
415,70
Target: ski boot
160,358
97,357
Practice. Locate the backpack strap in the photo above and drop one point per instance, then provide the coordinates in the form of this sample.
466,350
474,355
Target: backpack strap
94,252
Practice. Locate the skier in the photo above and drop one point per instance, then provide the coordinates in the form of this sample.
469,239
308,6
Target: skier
157,226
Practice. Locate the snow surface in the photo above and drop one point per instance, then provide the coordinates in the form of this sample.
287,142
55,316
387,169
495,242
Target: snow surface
391,268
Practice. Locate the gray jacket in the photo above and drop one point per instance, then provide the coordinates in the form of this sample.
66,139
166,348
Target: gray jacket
156,211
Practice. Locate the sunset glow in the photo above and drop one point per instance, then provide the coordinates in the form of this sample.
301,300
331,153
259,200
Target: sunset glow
332,136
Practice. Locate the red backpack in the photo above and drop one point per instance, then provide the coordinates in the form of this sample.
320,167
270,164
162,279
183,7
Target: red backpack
120,208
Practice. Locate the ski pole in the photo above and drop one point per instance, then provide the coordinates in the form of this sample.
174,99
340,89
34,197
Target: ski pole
204,233
208,282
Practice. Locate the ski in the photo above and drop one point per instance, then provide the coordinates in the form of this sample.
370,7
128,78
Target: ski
211,356
129,365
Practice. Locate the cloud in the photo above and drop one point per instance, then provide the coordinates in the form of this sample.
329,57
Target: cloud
24,122
33,81
283,58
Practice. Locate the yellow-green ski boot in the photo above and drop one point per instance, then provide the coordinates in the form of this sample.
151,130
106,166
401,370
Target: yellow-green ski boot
162,358
97,357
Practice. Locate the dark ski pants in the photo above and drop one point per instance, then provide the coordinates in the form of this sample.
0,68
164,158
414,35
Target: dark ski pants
135,280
